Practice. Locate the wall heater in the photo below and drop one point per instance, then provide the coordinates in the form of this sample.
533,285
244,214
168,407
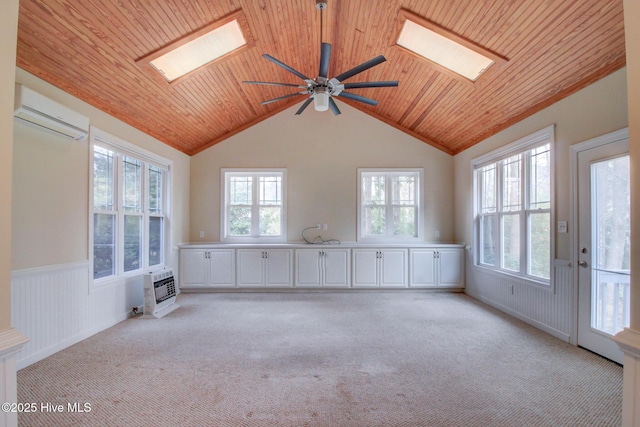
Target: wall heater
159,293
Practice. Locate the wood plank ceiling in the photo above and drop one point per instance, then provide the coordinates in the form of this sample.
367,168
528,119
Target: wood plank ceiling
90,49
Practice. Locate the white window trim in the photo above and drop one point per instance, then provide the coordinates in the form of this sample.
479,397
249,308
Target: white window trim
539,138
109,141
224,237
361,237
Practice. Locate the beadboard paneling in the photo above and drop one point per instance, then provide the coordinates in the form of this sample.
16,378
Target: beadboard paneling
550,310
57,306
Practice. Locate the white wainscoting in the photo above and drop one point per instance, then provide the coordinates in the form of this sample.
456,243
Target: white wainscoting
57,306
546,309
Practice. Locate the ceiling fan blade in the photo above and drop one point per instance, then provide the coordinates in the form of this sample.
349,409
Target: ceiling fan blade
370,84
333,106
360,68
358,98
273,84
286,67
305,105
325,55
282,97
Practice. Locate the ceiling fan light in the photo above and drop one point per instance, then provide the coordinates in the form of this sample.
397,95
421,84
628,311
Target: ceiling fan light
321,101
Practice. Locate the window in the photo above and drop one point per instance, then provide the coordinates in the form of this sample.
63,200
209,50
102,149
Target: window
513,207
389,204
254,207
129,193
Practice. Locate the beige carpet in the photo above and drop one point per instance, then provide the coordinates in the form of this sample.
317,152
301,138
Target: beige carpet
325,359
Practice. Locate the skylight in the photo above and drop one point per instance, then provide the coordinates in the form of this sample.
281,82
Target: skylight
444,48
208,44
200,51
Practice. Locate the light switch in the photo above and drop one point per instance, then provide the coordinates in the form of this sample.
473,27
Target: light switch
562,227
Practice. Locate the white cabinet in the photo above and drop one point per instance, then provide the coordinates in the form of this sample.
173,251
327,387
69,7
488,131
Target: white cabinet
436,267
207,268
264,267
322,267
380,267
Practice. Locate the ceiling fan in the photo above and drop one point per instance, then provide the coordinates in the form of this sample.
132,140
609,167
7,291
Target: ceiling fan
321,90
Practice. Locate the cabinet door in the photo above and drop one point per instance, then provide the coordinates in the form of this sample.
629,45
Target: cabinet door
308,267
336,267
451,267
393,267
278,267
250,267
222,268
194,268
365,267
423,271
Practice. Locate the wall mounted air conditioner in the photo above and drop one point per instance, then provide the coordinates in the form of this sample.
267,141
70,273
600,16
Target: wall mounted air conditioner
38,110
159,294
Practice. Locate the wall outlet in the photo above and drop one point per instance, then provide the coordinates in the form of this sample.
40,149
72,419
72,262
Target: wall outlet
325,227
202,234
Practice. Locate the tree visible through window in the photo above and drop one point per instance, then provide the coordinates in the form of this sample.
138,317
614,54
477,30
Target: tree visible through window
389,204
254,205
513,211
129,205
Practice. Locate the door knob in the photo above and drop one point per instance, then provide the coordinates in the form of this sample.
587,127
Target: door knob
583,264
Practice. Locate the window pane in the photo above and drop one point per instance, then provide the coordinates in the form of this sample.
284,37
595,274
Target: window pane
488,189
104,245
270,220
132,242
403,190
511,198
540,178
155,240
374,220
511,242
102,179
540,245
488,228
239,221
240,189
270,190
611,199
404,221
373,191
155,190
132,188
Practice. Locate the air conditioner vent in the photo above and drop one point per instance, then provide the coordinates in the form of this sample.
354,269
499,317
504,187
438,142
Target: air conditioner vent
46,114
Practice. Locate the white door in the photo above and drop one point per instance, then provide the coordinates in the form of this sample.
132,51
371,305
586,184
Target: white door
423,267
365,267
336,267
194,266
393,267
308,267
451,262
222,268
250,267
603,247
278,267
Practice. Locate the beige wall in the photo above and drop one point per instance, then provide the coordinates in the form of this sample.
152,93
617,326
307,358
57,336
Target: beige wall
632,36
321,153
8,42
596,110
51,185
